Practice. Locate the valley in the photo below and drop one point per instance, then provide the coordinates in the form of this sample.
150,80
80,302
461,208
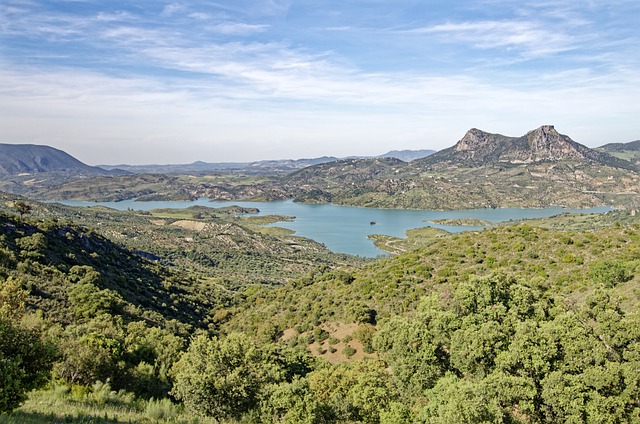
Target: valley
218,314
560,172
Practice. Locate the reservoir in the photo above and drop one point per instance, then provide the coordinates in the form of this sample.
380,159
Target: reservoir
344,229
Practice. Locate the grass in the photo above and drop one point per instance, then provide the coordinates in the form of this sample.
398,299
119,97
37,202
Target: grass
54,405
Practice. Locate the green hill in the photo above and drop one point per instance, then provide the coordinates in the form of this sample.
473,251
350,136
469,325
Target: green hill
626,151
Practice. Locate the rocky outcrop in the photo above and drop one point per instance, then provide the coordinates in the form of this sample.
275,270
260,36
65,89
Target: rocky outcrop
543,144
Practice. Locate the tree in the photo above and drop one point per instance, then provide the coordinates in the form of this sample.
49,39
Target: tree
290,403
355,391
22,208
222,377
25,357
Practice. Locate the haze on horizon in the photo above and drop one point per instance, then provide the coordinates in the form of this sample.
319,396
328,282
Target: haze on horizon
181,81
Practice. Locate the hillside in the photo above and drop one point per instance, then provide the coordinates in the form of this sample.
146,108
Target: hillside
59,255
627,151
218,245
509,324
18,159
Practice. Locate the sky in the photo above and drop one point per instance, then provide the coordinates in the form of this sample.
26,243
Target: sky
156,82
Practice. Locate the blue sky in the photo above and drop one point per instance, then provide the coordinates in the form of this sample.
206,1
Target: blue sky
151,81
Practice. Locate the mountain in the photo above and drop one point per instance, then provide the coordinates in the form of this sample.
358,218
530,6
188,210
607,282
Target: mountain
264,167
543,144
18,159
407,155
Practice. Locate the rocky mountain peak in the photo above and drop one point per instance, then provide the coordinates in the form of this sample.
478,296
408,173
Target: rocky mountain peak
543,144
473,140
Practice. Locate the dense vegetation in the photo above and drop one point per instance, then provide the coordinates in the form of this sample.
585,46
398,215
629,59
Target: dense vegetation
513,324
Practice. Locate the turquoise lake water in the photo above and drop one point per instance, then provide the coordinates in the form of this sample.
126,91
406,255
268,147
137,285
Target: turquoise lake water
345,229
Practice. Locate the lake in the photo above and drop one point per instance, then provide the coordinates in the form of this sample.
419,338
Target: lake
344,229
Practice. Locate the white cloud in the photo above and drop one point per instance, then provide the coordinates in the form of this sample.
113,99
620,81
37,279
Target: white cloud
181,81
238,28
532,39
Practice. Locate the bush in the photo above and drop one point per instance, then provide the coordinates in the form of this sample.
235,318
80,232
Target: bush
25,363
348,351
161,409
609,273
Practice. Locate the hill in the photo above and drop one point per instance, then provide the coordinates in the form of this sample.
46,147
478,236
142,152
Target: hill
482,170
511,324
627,151
18,159
539,169
621,147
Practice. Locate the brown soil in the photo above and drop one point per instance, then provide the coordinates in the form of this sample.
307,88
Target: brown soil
339,331
190,225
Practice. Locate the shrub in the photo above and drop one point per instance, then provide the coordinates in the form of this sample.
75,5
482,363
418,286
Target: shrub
161,409
348,351
609,273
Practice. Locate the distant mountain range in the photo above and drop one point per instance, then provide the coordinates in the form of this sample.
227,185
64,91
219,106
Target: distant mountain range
481,170
264,167
407,155
272,167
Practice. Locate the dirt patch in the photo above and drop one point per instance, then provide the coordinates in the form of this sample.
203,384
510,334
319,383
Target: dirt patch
190,225
289,333
158,221
341,335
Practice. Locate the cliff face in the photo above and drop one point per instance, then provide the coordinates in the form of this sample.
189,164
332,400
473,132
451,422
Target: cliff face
480,146
546,144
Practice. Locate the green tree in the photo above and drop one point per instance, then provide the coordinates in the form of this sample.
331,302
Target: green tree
22,208
609,273
291,403
91,351
355,391
461,401
417,349
26,356
223,377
